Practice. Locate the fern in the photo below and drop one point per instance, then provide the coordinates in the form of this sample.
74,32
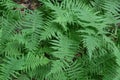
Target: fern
49,31
76,71
32,61
11,68
57,71
60,49
60,40
32,29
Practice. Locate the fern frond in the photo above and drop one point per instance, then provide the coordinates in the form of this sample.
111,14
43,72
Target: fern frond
32,24
32,61
41,71
6,30
12,49
56,71
10,67
50,30
64,13
64,48
76,71
112,6
91,43
22,77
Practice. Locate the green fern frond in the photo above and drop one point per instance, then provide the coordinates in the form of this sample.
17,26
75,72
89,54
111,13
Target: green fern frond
12,49
6,30
112,6
64,13
41,71
64,48
10,67
76,71
22,77
32,24
32,61
91,43
50,30
97,4
56,71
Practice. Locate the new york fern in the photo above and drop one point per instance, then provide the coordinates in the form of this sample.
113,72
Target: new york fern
60,40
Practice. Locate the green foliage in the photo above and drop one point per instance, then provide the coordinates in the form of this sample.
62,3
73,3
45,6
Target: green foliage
60,40
11,68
